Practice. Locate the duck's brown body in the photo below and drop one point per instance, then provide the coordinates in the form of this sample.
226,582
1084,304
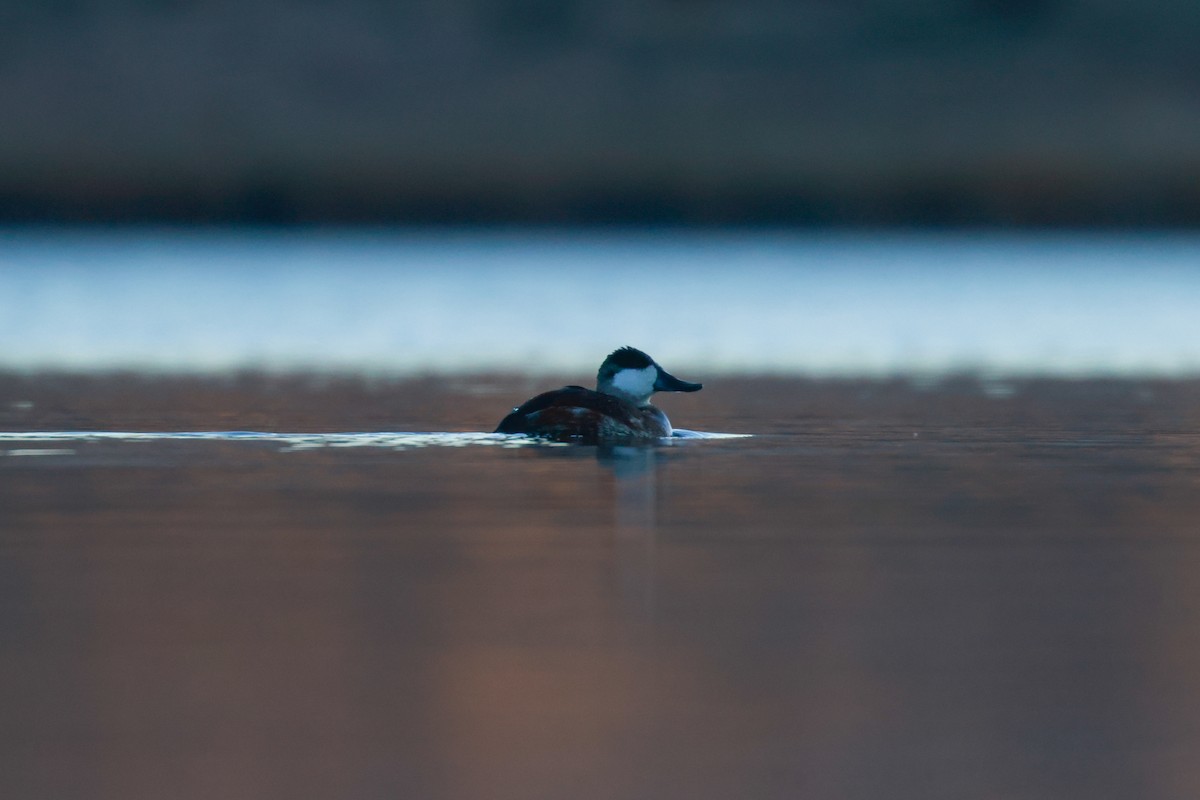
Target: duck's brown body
576,414
618,411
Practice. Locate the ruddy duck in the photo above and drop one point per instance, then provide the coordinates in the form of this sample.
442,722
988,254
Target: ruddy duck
619,409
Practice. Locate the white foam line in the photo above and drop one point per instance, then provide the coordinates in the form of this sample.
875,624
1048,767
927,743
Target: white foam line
293,441
306,441
680,433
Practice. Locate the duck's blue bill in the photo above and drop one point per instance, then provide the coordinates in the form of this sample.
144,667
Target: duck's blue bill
669,383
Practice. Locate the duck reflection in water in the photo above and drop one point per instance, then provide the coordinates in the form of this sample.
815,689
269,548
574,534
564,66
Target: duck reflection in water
628,479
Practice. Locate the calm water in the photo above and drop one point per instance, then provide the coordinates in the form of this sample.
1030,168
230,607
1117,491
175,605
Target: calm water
892,590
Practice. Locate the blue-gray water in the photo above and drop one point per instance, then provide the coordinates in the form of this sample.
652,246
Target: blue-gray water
400,302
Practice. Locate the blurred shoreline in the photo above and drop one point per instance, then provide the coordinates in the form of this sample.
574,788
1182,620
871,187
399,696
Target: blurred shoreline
983,113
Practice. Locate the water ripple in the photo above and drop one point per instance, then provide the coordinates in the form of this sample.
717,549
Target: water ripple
298,441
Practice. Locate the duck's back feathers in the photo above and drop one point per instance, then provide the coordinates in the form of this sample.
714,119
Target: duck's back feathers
576,414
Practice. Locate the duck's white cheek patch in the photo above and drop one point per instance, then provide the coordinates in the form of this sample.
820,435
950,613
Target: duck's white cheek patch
636,382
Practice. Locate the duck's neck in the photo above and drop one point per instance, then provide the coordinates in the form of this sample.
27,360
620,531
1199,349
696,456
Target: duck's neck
639,400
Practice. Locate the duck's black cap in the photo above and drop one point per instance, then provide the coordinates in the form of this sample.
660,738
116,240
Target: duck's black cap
629,358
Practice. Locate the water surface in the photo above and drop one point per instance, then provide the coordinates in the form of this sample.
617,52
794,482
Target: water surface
960,589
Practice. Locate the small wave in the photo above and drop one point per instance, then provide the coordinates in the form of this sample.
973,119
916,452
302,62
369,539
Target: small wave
685,434
305,441
288,441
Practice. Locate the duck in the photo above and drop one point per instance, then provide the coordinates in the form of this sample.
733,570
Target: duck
618,410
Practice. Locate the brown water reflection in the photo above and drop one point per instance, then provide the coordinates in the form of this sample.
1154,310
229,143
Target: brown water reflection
892,592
